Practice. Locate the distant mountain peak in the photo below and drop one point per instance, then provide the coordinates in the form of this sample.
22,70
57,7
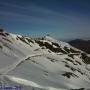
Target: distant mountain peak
82,44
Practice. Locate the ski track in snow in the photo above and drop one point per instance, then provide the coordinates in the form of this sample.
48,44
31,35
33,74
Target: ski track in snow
13,66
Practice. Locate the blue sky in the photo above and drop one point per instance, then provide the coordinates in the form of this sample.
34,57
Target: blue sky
62,19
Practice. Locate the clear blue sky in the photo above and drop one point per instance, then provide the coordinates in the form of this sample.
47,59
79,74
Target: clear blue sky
63,19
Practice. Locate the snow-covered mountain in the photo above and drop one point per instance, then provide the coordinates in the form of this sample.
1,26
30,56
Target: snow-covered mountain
42,64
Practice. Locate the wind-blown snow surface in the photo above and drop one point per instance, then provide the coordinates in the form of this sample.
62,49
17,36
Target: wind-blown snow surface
42,64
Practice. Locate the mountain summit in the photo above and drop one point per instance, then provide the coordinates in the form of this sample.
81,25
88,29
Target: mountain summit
42,64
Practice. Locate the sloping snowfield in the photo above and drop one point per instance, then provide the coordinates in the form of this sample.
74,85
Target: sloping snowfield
42,64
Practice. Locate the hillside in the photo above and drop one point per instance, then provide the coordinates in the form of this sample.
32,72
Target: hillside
83,45
42,64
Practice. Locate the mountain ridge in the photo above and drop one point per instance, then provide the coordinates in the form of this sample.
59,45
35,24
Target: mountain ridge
42,64
84,45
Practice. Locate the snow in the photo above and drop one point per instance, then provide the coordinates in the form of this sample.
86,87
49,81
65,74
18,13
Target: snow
61,43
33,67
23,81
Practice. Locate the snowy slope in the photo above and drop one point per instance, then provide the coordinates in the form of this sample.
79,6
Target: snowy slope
42,64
